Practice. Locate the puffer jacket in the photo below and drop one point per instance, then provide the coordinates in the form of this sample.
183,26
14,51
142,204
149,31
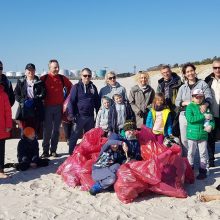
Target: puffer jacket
5,114
140,101
195,123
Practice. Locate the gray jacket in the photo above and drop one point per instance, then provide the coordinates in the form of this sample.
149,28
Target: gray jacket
139,101
185,93
109,91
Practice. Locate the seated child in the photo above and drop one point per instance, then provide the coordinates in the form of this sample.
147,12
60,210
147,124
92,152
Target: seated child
102,116
28,151
111,156
134,151
196,134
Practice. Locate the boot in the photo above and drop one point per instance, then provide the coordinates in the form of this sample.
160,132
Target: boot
96,188
202,174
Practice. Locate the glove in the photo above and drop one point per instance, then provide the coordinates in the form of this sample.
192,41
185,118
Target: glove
140,114
29,103
208,128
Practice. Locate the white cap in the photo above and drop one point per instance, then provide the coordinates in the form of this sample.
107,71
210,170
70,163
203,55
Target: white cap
198,92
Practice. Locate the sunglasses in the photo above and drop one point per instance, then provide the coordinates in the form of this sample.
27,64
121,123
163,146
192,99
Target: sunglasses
216,67
111,78
87,76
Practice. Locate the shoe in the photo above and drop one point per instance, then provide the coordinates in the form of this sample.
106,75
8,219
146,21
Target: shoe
44,155
53,154
96,188
211,163
202,174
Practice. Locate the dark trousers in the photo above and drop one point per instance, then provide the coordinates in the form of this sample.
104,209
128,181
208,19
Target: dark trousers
67,127
212,139
83,123
22,166
2,154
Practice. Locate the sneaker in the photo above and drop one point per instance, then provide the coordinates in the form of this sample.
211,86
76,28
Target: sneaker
44,155
202,174
96,188
53,154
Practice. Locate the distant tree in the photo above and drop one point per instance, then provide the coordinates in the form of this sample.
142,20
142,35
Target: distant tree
175,65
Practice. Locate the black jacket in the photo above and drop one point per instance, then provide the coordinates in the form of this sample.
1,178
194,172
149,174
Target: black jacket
8,89
209,79
113,117
28,150
21,95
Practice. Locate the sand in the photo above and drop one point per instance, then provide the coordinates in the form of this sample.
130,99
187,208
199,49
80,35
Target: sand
41,194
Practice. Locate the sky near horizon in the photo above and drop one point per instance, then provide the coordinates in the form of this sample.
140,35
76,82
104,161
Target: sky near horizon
117,34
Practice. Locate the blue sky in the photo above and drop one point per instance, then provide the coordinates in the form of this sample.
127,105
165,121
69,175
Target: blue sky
117,34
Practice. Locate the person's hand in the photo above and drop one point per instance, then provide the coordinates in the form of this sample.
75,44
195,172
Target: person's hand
8,129
70,117
208,116
203,108
208,128
125,147
185,103
28,103
140,114
33,165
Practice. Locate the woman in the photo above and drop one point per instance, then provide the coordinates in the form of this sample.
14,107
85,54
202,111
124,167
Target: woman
112,87
184,97
29,93
140,97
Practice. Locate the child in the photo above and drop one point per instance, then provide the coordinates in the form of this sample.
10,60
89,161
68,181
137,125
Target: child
28,151
102,116
196,134
159,118
5,126
119,112
134,151
111,156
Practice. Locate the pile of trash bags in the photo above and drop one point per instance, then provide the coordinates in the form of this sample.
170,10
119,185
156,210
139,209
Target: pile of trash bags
163,170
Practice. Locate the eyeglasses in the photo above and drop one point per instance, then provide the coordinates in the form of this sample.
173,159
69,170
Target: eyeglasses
1,67
111,78
216,67
87,76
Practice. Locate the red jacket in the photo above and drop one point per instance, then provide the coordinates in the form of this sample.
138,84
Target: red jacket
54,89
5,114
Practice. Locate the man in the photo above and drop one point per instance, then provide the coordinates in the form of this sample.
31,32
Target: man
55,84
213,80
84,99
7,85
169,85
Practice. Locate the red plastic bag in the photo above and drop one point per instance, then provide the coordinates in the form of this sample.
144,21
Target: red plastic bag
145,135
189,174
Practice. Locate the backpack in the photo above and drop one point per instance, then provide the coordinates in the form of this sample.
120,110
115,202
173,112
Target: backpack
65,94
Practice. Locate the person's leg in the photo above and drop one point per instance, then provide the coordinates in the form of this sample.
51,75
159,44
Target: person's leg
57,116
183,125
90,123
203,154
22,166
192,145
77,130
47,129
2,158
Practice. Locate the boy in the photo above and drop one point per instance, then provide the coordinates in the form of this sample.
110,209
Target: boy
197,134
111,156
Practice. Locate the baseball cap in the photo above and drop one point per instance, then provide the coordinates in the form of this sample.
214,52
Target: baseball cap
197,92
30,66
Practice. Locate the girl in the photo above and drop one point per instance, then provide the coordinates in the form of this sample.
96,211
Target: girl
159,118
102,116
5,126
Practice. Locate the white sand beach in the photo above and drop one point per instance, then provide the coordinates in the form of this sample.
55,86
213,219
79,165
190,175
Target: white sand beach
41,193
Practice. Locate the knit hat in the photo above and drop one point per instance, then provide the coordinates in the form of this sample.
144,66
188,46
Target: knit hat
29,132
130,125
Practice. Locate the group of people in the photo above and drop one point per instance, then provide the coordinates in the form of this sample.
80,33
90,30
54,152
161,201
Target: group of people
191,105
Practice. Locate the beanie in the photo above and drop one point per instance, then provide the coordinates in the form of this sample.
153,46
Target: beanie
130,125
29,132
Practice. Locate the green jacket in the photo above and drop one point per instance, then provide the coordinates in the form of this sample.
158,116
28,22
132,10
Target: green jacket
195,123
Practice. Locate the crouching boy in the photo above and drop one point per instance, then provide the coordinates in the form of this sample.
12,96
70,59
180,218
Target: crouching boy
111,156
28,151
